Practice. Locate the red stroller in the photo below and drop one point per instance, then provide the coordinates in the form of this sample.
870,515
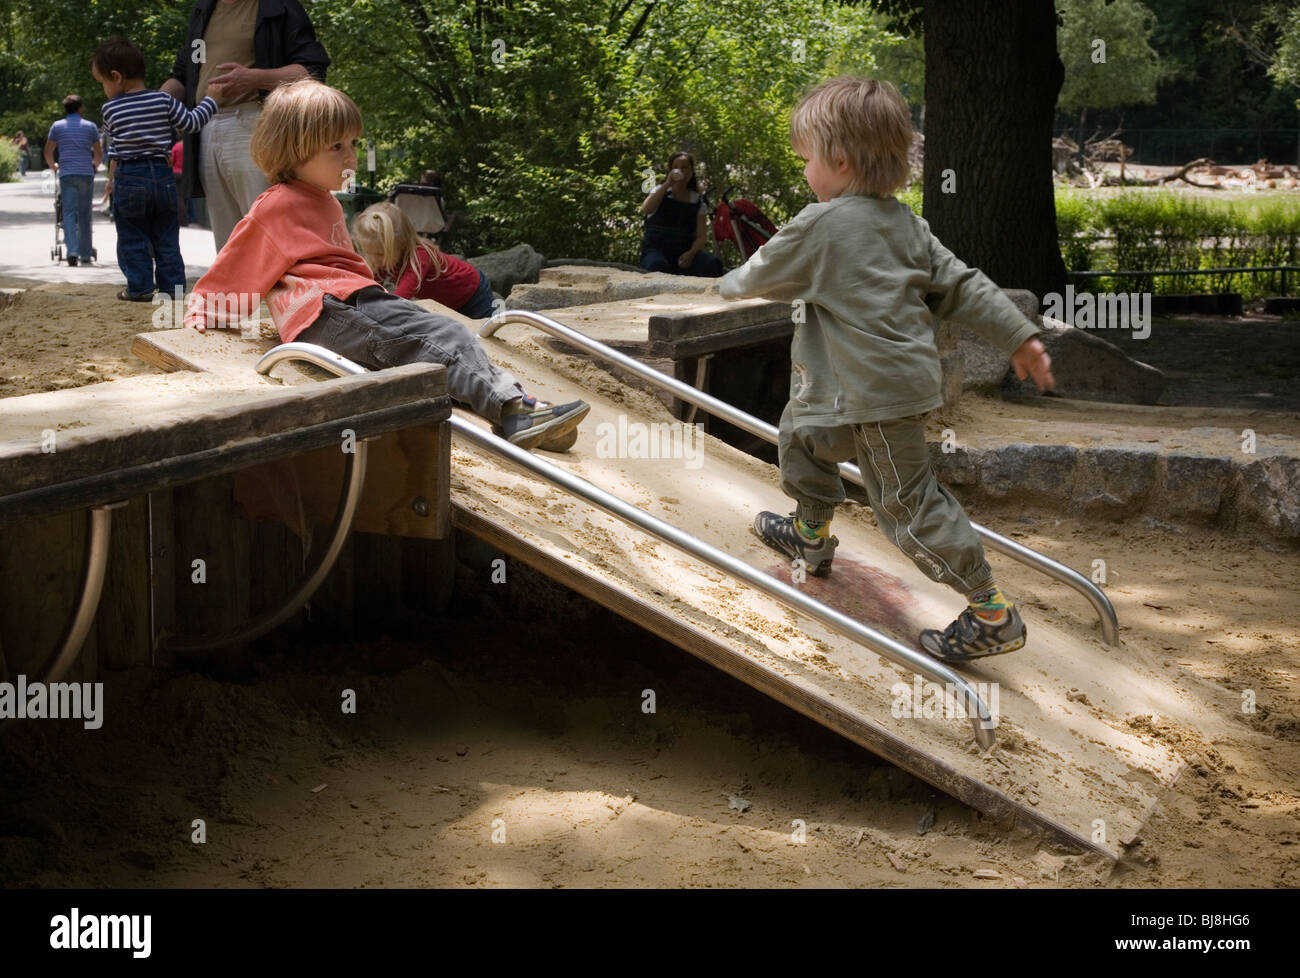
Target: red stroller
742,223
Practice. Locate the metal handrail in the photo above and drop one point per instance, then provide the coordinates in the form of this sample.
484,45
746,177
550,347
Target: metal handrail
354,480
747,422
92,588
981,719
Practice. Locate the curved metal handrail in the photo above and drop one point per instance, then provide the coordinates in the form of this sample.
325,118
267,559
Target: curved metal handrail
99,533
976,710
354,478
747,422
99,527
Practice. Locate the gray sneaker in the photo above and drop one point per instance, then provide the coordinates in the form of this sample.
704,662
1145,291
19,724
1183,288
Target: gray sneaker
551,427
971,637
778,532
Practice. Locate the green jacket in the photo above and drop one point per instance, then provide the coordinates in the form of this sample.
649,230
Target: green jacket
872,278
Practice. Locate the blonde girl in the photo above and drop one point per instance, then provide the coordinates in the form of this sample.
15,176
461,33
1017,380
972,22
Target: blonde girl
386,239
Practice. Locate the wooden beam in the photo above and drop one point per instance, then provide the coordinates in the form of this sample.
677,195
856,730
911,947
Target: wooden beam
102,465
122,623
405,494
852,725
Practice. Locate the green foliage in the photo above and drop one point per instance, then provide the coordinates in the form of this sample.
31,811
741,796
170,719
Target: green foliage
1285,65
8,160
912,197
549,119
1075,223
1161,230
46,51
1131,69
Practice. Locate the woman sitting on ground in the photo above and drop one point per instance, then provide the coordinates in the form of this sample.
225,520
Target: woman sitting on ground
676,225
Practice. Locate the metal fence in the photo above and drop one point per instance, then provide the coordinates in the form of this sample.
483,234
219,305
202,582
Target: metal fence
1207,279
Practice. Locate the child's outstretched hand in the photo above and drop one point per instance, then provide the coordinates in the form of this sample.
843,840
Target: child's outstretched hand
1031,360
216,93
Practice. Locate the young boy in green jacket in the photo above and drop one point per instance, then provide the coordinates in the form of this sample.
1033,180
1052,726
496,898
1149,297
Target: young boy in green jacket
869,279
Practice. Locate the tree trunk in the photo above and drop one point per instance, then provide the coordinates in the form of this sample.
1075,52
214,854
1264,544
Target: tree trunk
991,80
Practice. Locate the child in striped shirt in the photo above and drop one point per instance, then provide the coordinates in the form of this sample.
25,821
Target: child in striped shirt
140,122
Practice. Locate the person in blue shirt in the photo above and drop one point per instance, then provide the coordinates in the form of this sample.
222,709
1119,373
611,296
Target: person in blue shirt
77,141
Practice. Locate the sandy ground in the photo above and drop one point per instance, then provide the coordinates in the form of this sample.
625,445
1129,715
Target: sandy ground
531,729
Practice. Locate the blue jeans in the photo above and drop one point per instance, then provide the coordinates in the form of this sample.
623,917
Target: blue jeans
148,226
705,264
78,194
479,305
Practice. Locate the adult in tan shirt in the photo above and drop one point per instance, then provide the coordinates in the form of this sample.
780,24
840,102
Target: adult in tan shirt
245,48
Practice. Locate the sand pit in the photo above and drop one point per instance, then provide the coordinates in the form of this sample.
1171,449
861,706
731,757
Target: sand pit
535,721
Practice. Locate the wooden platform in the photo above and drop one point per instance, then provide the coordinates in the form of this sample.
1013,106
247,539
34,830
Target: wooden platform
169,448
87,446
1068,760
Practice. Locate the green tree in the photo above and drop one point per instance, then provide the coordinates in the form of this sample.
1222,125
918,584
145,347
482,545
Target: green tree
1105,46
1285,65
991,79
548,118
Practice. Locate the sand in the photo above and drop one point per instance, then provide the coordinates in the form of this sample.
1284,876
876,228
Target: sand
539,725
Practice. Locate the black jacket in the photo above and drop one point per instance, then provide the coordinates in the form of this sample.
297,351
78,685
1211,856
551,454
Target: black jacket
283,36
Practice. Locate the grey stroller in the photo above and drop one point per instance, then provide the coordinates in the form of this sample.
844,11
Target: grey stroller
56,253
423,204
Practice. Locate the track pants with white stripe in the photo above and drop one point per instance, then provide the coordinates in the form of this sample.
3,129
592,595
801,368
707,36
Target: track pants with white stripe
912,508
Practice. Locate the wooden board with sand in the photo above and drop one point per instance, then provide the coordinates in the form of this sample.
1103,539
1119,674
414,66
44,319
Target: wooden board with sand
1068,759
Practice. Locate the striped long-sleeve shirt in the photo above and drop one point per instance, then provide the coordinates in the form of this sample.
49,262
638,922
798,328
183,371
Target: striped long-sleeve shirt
140,123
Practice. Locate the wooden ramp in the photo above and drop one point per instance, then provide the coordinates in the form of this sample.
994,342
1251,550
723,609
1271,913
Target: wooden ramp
1067,761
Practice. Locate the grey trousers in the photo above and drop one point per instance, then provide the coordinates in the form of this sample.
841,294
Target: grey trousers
231,180
377,329
912,509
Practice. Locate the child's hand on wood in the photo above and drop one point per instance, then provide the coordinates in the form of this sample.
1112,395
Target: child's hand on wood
1031,360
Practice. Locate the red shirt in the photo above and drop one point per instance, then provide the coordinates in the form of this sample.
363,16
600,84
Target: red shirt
291,248
453,288
178,150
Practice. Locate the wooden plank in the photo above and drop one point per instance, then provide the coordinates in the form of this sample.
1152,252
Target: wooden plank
162,572
718,316
377,560
1062,766
211,597
216,351
94,465
428,573
277,568
405,493
42,562
718,342
332,609
813,704
122,623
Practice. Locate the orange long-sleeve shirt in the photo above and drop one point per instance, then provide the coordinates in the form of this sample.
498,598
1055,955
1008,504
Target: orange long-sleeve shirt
291,248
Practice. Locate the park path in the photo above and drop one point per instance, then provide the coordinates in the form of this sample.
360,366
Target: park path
27,235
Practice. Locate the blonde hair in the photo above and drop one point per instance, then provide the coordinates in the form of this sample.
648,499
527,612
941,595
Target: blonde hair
298,120
386,239
862,120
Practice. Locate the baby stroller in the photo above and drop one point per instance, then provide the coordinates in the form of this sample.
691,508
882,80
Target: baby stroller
740,222
423,204
56,253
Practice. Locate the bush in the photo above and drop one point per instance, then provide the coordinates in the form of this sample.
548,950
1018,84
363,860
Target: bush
1075,223
8,160
36,124
1164,231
